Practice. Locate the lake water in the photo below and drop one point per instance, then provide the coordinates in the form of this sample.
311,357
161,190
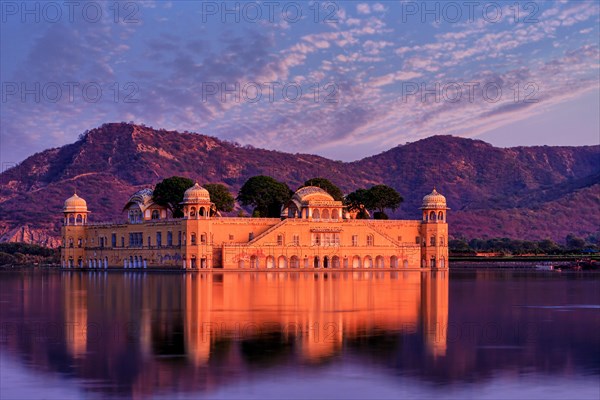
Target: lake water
368,334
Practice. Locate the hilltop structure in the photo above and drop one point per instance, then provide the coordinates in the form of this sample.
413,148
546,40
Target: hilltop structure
314,231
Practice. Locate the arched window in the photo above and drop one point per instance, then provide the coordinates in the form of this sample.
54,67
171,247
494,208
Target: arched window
71,219
135,215
432,241
254,262
441,216
379,263
193,238
335,262
394,262
316,214
432,262
294,262
202,211
356,262
368,262
155,214
335,214
432,216
270,262
193,212
282,262
79,219
325,214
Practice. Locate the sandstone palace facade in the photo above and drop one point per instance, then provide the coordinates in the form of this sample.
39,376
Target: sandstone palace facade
315,231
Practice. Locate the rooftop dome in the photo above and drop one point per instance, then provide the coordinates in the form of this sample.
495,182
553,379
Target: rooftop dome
141,198
75,204
434,200
196,194
311,193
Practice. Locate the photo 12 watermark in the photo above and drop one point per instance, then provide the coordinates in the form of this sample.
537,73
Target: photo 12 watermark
270,11
69,91
270,92
468,11
120,12
469,92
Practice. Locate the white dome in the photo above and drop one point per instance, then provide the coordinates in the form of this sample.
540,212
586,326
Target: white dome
196,194
434,200
75,204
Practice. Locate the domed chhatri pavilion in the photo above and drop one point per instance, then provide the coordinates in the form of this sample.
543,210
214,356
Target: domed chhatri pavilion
314,231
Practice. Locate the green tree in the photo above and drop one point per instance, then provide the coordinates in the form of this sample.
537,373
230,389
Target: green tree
357,202
169,193
326,185
219,194
575,243
382,197
548,246
265,194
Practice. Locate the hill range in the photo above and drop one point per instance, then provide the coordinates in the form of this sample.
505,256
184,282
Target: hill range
521,192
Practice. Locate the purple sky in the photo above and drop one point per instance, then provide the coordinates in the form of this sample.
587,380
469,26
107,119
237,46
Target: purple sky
340,79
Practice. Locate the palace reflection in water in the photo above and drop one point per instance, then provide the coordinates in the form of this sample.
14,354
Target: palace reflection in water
142,334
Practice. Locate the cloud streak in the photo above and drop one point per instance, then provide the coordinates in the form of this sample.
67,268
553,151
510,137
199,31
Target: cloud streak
356,76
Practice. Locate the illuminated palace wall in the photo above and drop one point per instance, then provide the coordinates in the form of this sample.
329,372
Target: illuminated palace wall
314,231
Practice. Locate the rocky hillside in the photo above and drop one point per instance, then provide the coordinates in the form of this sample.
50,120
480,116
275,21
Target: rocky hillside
522,192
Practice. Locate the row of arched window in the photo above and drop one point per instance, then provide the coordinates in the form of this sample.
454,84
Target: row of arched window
356,261
433,263
135,262
75,219
325,214
316,213
433,216
201,212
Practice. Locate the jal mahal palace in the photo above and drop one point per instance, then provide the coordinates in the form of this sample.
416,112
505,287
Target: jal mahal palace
314,232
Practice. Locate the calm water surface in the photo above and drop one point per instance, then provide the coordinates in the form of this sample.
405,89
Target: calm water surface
299,335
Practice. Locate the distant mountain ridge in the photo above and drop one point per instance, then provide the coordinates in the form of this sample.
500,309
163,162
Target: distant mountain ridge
521,192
